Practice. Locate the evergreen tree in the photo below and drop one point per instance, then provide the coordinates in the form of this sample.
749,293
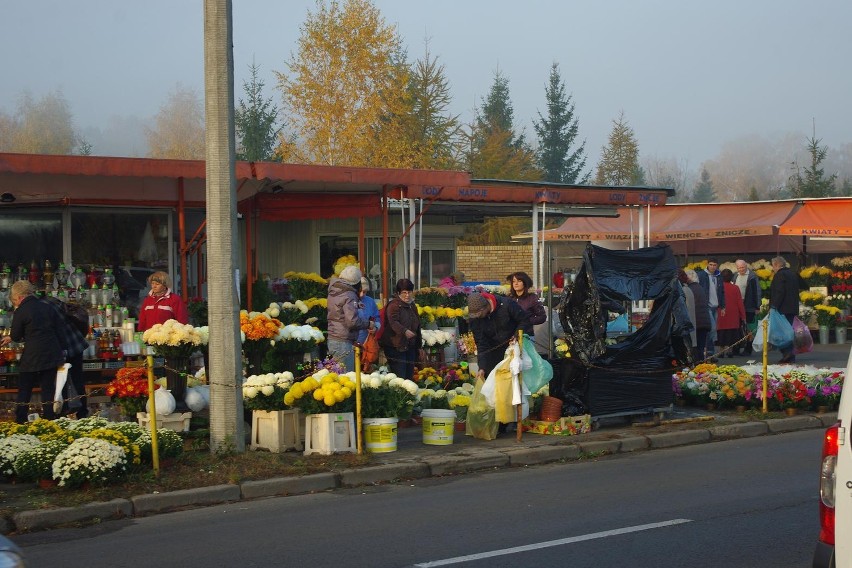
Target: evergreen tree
435,134
254,121
619,163
814,183
704,192
496,113
495,150
753,195
557,133
84,148
845,188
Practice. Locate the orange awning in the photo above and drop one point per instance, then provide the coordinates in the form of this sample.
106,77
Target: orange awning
680,222
722,220
824,218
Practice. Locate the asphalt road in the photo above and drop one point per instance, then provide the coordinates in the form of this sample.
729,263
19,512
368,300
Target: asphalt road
743,503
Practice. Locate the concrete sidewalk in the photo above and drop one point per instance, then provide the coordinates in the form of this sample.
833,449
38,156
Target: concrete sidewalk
414,460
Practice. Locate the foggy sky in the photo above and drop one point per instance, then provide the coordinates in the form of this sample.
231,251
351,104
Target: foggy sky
688,75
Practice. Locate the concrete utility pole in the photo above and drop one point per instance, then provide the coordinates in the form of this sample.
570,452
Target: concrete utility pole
225,373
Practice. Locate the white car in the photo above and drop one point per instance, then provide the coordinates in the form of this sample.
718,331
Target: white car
834,547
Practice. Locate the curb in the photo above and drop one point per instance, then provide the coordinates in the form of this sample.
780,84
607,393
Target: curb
458,463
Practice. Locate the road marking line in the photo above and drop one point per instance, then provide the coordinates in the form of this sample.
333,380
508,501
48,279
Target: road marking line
550,543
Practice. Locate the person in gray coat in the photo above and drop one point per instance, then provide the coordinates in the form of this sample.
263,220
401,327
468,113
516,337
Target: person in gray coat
345,319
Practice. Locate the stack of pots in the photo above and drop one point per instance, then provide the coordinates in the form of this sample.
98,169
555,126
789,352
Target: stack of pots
551,409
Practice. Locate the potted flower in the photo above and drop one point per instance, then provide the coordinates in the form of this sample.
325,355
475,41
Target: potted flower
257,330
321,393
287,349
13,446
434,341
304,285
37,463
176,342
129,389
791,395
826,319
385,395
328,403
385,400
88,460
274,426
824,390
266,392
459,401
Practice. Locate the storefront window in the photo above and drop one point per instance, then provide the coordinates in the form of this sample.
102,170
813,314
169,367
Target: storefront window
133,245
437,264
29,237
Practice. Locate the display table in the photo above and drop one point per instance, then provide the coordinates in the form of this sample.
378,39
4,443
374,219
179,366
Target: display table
97,373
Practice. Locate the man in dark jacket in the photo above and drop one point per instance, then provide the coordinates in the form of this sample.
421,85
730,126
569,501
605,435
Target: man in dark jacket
749,286
494,322
784,297
714,288
35,323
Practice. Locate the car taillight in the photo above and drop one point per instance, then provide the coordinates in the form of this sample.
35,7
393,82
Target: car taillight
826,485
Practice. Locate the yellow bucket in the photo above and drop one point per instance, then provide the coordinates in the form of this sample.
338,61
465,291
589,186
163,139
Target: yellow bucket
438,426
380,434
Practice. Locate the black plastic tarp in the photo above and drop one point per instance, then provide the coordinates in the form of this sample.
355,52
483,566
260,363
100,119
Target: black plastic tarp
635,373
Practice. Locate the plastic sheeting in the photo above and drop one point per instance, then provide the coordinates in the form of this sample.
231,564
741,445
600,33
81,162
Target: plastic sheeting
635,373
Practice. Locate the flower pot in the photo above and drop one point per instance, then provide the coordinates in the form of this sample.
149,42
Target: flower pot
47,483
823,335
473,366
328,433
451,353
380,434
461,426
840,335
438,426
740,408
276,431
710,406
791,411
821,409
177,369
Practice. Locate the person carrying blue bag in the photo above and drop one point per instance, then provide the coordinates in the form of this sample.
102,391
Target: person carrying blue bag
784,298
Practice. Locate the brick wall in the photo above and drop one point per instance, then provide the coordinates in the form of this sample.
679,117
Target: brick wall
493,262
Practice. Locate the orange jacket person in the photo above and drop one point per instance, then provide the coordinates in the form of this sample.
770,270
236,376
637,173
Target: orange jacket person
161,304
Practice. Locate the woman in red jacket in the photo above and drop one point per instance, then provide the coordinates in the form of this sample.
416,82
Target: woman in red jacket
730,321
161,304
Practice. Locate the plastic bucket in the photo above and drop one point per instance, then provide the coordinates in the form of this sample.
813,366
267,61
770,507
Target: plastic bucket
438,426
380,434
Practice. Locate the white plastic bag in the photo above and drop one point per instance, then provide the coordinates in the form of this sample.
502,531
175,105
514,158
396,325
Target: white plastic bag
164,401
61,378
195,400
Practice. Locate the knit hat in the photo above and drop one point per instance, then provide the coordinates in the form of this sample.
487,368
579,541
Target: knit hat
351,275
477,306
